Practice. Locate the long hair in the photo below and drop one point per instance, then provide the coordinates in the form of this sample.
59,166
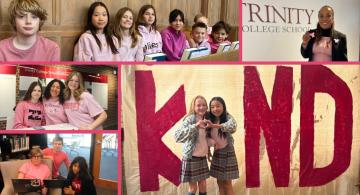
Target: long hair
140,18
319,31
117,29
78,91
223,117
84,170
27,96
90,27
47,94
192,104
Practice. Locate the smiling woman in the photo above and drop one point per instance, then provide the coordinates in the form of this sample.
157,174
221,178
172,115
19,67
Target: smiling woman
53,103
324,43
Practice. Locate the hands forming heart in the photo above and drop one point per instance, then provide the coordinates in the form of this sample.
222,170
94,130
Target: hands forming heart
204,123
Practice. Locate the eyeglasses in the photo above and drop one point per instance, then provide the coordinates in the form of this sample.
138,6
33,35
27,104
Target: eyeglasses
37,156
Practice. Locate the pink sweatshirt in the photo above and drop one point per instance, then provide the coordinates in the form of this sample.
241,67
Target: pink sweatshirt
152,42
86,49
83,112
28,114
131,54
43,50
215,46
173,43
54,112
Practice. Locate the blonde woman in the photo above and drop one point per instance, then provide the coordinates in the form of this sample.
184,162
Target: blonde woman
80,106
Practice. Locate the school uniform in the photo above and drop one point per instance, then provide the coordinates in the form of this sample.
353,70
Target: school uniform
194,166
224,164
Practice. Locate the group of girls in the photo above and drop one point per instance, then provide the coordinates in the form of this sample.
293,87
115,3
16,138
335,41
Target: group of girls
61,103
78,182
200,130
130,41
127,40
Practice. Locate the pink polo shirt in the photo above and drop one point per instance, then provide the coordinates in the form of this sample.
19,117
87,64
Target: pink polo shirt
32,171
58,158
83,112
54,112
43,50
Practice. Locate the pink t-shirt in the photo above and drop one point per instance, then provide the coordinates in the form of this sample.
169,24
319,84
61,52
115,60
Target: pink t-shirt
323,50
32,171
86,49
58,158
28,114
81,113
54,112
43,50
127,53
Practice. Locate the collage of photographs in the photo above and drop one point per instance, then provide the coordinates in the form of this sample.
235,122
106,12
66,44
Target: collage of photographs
180,97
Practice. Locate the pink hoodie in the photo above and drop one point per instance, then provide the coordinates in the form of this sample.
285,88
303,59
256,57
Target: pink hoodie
28,114
173,43
152,42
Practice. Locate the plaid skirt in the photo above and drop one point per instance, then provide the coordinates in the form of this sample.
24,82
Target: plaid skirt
224,164
194,169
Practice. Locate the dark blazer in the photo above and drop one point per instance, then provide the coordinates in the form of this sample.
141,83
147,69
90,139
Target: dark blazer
339,49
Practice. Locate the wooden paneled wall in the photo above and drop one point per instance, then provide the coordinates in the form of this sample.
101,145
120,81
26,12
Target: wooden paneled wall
66,18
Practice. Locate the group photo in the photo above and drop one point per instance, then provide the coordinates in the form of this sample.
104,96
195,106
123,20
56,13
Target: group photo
93,31
58,97
249,129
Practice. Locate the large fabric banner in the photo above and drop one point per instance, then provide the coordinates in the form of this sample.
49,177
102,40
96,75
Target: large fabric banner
298,126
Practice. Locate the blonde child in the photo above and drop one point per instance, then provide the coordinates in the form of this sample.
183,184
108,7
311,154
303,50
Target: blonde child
27,17
194,167
130,42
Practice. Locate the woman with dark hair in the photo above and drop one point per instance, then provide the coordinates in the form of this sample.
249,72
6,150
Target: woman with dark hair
174,40
53,103
30,111
224,165
79,180
324,43
96,43
146,25
81,108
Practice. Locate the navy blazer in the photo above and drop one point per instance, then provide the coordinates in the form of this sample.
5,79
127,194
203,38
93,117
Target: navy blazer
339,49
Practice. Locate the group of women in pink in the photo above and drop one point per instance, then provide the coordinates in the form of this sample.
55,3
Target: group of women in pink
61,103
127,40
